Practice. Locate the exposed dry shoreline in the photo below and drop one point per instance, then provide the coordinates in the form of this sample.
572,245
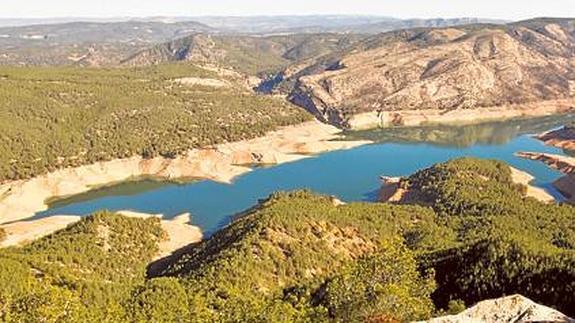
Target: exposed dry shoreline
179,231
20,200
564,164
418,117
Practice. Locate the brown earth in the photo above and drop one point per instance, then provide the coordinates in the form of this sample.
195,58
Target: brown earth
441,71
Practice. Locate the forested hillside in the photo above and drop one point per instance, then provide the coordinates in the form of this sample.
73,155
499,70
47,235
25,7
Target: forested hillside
59,117
81,274
299,256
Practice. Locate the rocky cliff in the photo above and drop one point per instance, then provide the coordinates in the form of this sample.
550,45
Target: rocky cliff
456,68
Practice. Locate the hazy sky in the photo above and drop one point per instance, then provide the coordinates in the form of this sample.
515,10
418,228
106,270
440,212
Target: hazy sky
506,9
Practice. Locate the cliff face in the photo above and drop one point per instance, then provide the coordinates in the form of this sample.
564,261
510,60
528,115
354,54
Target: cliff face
453,68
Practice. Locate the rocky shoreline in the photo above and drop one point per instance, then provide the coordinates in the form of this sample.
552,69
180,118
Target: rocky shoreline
21,200
564,164
563,138
376,119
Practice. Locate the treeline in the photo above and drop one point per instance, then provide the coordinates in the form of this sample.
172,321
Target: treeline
60,117
300,257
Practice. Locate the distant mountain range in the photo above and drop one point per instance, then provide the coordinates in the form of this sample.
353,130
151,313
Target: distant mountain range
323,24
110,41
268,24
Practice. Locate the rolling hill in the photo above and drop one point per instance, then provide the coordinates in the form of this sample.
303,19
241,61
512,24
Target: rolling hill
247,54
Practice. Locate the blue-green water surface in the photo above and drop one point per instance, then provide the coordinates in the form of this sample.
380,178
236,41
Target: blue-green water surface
351,175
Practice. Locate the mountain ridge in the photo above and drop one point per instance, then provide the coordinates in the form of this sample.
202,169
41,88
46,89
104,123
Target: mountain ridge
448,68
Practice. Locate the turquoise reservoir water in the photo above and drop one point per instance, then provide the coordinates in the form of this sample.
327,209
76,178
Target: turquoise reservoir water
351,175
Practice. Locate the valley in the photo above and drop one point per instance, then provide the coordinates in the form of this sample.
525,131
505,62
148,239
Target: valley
359,166
287,169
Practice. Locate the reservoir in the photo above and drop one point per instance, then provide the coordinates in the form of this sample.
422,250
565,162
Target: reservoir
350,175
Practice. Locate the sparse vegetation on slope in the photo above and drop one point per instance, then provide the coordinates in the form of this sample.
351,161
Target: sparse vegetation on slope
463,67
245,54
61,117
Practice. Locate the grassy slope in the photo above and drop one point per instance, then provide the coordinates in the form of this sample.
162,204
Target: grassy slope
59,117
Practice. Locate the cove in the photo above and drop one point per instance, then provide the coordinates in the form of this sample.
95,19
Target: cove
351,175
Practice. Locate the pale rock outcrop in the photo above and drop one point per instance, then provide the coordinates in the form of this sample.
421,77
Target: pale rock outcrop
516,308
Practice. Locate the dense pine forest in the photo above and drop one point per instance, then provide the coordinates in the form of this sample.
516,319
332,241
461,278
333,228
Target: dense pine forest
465,233
56,117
